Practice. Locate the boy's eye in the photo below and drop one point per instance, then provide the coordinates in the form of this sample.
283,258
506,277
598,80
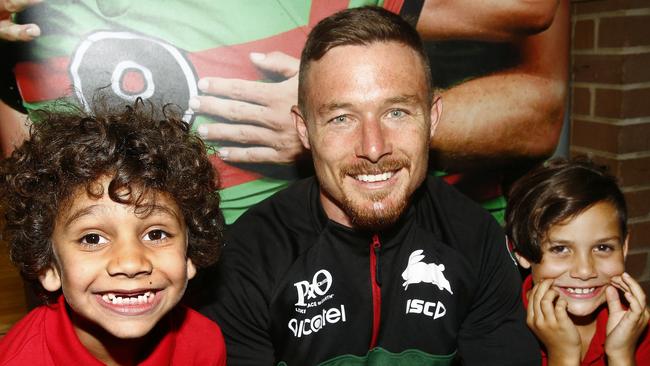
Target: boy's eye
93,239
558,249
604,248
155,235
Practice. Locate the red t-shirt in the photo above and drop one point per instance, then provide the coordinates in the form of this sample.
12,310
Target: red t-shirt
595,355
45,336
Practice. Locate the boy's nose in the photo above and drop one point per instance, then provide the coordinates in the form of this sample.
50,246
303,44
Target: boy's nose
129,259
583,267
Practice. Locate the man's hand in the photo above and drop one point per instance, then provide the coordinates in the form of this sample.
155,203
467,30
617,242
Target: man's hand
547,317
624,326
10,31
258,113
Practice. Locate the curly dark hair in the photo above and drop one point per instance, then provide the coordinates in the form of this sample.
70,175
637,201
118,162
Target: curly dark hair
556,191
141,154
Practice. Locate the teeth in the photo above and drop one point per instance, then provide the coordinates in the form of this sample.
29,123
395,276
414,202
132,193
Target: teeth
580,291
374,177
147,297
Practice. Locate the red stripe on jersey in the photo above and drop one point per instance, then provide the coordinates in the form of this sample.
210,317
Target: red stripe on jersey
47,80
229,175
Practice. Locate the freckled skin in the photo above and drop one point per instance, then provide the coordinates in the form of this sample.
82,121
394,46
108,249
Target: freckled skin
367,117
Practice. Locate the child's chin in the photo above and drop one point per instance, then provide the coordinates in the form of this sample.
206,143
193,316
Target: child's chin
130,332
583,308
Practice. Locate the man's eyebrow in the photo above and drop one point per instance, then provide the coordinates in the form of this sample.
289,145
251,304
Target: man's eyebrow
332,107
400,99
408,99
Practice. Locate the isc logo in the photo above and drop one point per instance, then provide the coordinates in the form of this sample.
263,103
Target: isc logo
434,309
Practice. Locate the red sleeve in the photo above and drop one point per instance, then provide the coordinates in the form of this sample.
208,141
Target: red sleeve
642,354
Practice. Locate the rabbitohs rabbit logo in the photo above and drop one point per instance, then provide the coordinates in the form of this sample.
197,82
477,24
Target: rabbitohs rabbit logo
419,272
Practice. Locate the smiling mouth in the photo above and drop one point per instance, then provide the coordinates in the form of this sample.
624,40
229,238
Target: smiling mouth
372,178
129,299
580,290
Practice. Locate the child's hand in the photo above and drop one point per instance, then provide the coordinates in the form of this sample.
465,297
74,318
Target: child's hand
624,326
550,322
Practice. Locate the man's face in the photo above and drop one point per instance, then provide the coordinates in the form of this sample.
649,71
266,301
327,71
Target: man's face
368,122
119,270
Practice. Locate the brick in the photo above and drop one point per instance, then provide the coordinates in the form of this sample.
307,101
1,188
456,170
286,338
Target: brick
608,103
614,103
612,69
634,172
635,68
624,31
634,138
598,68
581,101
637,203
639,235
611,138
598,6
635,264
630,172
595,136
583,35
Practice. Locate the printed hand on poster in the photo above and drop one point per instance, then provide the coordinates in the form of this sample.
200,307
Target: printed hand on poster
257,111
10,31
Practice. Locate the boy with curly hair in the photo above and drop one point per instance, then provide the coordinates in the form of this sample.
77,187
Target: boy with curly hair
568,223
108,215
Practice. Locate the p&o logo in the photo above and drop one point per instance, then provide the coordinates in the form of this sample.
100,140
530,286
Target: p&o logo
319,285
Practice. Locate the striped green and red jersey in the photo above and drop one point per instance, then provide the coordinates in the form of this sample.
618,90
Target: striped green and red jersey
158,50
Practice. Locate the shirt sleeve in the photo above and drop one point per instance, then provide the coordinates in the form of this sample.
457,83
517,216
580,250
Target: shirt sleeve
495,332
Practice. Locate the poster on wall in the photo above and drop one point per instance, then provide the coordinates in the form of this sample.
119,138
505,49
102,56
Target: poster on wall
230,68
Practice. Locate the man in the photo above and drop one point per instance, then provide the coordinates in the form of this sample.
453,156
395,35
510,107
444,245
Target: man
370,262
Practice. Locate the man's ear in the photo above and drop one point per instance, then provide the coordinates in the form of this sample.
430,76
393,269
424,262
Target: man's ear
301,126
50,278
191,269
522,261
436,113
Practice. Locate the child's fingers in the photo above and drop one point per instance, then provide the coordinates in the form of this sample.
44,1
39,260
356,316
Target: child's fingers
535,313
561,313
635,288
547,305
613,300
617,281
620,283
635,306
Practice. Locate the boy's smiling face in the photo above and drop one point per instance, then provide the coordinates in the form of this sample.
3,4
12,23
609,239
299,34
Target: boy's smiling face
581,255
119,270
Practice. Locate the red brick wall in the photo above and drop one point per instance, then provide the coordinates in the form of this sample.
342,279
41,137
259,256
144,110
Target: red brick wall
610,116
